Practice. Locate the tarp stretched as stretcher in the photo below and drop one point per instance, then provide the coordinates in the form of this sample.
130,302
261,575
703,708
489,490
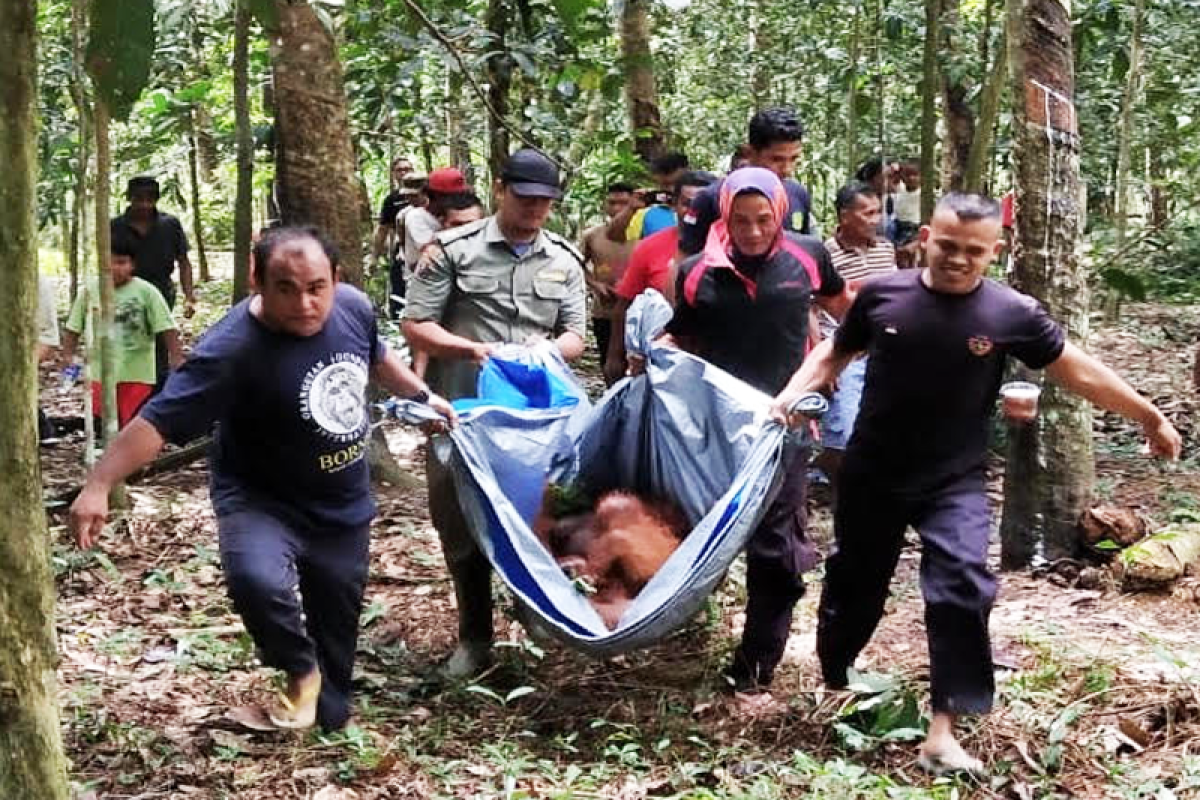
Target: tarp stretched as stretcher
684,430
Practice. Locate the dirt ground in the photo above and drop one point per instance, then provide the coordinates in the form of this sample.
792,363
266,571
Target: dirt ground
1099,691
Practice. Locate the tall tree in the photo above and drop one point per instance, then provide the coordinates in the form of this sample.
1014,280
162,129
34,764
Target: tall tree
957,116
456,134
120,46
641,92
32,765
1133,80
106,325
76,249
316,172
1058,458
852,92
975,179
243,201
194,185
499,71
929,88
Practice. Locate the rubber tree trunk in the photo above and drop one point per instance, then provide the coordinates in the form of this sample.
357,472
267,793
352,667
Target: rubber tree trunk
197,217
1059,462
499,72
244,196
641,94
959,119
929,89
315,169
975,179
1129,99
32,765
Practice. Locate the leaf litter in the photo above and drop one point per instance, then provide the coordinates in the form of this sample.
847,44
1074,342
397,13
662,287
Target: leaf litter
1091,682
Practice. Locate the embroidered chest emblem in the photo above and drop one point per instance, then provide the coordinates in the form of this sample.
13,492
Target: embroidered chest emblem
979,345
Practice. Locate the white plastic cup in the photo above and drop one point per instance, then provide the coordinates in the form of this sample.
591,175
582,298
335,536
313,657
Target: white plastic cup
1019,401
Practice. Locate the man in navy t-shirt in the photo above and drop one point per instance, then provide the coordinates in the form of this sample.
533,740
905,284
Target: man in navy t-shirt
937,340
283,377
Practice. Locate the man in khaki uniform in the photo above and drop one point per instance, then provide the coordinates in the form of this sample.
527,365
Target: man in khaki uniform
500,280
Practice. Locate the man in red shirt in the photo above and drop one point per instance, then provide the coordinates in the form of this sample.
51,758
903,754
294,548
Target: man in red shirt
649,267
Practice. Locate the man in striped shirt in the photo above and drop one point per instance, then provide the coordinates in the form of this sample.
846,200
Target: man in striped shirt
858,254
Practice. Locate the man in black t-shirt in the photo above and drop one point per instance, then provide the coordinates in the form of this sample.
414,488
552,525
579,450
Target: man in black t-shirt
284,373
396,201
937,340
159,244
160,241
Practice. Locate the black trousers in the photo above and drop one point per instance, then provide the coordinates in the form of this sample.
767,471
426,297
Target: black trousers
777,556
265,560
954,525
397,287
603,331
162,361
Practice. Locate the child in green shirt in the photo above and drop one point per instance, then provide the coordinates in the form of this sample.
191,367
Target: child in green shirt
141,316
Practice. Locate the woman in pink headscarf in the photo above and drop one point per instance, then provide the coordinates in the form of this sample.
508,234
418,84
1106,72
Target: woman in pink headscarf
743,305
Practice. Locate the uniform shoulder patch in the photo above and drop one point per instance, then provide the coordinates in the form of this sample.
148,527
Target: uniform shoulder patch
461,232
565,244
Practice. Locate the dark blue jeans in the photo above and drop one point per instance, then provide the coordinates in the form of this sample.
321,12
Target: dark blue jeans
266,560
954,524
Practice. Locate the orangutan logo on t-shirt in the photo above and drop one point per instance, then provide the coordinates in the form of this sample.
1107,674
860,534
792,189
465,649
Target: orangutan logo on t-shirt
333,395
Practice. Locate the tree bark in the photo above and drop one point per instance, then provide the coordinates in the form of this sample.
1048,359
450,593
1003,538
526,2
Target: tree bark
975,178
852,95
1133,80
956,111
641,95
929,87
197,221
244,197
316,171
499,69
456,135
77,249
1160,203
1048,193
105,334
208,157
32,765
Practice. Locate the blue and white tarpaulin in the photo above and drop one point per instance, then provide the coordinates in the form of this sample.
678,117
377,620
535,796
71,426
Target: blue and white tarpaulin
683,430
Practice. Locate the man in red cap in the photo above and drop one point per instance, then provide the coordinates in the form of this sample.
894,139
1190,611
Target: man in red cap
421,224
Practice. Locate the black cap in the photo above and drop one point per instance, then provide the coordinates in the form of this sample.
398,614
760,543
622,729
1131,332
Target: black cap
530,173
142,182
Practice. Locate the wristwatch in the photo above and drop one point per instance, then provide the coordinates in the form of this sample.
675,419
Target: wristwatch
420,397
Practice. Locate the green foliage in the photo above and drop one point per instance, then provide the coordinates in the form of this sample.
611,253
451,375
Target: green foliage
120,47
884,709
